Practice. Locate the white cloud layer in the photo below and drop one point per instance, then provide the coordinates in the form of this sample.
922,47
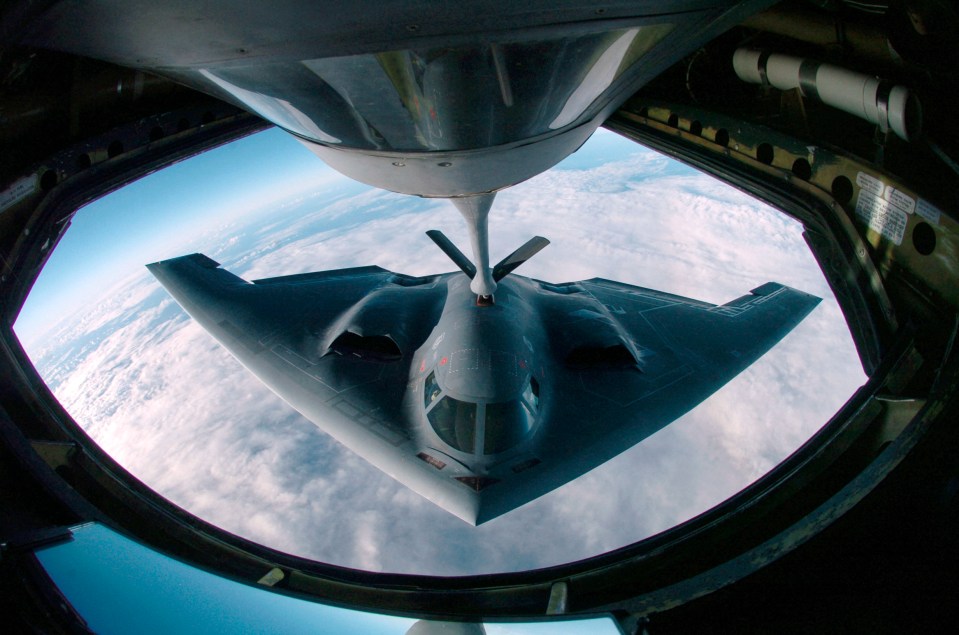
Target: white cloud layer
157,393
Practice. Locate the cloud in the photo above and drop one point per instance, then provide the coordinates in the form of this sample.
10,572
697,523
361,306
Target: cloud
171,405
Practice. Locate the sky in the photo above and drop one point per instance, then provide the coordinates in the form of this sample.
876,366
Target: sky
110,237
166,401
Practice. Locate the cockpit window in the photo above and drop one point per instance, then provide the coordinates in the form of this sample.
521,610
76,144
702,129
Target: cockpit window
507,424
455,423
431,390
531,395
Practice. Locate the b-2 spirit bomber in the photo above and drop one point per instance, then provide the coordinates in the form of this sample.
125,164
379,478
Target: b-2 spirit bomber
481,392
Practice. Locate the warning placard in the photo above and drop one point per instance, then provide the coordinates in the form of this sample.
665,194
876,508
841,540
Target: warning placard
928,211
900,199
882,216
20,189
870,183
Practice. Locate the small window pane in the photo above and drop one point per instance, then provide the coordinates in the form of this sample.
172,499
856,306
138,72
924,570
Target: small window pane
507,424
455,423
431,390
531,394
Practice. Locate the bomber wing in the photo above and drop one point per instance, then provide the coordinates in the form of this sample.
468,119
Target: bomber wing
335,345
628,361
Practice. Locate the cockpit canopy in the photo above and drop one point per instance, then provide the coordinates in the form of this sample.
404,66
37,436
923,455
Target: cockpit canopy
481,428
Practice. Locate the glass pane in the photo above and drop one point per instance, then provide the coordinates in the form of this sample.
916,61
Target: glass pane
455,423
507,424
431,390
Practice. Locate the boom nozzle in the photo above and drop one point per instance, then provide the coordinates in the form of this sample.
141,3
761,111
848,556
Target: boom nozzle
502,269
475,211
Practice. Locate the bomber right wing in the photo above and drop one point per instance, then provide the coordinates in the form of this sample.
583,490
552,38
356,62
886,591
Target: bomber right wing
628,362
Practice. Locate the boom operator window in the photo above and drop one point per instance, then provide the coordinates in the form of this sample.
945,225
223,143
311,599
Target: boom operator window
506,423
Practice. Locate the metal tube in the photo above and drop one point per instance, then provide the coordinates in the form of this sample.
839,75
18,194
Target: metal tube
891,107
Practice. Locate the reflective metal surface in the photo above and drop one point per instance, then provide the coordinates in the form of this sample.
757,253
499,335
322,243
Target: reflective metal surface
436,99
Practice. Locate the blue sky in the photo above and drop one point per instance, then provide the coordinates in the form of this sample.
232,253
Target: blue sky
140,223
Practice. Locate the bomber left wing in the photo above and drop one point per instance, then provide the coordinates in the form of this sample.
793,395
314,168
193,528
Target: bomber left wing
335,345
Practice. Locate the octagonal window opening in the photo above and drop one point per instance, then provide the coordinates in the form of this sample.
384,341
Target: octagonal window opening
149,388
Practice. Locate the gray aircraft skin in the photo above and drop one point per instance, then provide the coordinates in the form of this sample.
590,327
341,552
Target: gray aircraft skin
480,402
462,102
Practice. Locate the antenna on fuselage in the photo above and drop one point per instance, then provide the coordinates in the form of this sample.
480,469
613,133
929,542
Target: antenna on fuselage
475,210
